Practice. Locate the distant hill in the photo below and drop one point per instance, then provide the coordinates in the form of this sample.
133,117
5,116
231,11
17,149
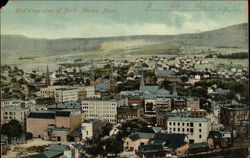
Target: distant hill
19,46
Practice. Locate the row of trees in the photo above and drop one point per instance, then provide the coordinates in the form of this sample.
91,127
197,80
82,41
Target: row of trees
240,55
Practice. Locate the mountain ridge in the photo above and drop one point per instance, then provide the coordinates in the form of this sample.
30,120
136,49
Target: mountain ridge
14,46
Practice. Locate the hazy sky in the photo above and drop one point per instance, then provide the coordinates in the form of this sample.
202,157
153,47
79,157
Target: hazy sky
123,18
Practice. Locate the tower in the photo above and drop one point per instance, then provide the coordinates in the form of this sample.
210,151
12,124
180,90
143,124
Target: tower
112,82
142,83
92,77
47,79
174,93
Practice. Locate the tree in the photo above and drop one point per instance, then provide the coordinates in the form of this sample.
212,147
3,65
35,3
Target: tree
95,147
112,146
13,129
106,129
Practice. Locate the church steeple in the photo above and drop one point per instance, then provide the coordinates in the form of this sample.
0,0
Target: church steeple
111,77
174,93
92,78
142,83
47,79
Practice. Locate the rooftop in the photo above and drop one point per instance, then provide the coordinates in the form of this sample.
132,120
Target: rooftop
42,114
191,119
91,120
140,135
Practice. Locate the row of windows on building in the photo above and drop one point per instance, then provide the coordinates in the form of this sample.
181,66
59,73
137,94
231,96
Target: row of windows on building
191,130
99,103
94,107
191,124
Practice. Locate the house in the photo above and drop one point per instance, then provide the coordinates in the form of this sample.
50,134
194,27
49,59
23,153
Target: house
162,144
115,130
133,141
91,127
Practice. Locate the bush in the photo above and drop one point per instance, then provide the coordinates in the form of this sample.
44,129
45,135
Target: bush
28,135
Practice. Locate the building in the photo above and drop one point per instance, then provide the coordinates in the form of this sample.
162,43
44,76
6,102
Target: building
162,144
133,141
198,113
196,129
54,125
66,94
91,127
10,102
163,105
45,101
193,102
104,109
50,91
230,114
14,112
128,112
65,105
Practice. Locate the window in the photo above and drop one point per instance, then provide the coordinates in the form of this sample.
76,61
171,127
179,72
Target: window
170,123
187,129
199,136
191,130
191,124
199,124
187,124
174,129
178,129
183,129
174,123
170,128
183,124
178,123
200,130
87,132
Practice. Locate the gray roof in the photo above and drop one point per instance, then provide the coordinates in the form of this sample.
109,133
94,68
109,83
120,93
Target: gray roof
58,147
198,145
42,114
103,87
152,148
169,140
50,154
76,133
151,89
163,73
140,135
91,120
192,119
66,105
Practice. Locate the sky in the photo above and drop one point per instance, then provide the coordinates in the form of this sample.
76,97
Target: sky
83,19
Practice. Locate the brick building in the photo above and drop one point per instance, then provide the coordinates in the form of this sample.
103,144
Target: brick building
54,125
128,112
230,114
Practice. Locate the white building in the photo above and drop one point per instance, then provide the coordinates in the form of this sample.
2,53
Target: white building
50,91
90,90
197,129
10,102
66,94
91,127
104,109
14,112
